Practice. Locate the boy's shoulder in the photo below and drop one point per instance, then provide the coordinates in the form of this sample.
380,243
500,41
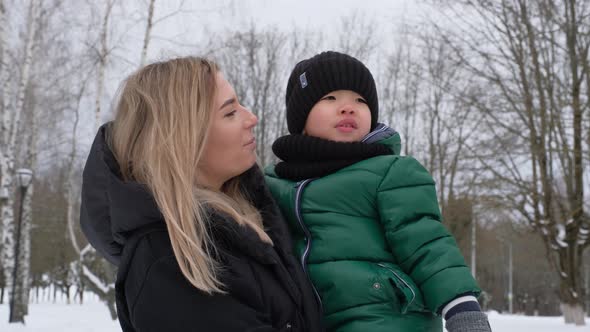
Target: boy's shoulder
405,171
391,165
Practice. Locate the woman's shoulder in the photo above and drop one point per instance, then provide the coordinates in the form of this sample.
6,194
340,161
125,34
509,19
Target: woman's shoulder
143,250
147,245
149,259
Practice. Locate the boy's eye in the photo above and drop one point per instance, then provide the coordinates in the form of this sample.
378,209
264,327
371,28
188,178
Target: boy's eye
329,98
230,114
361,100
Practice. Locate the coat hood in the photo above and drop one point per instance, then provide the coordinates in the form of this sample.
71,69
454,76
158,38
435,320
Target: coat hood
112,208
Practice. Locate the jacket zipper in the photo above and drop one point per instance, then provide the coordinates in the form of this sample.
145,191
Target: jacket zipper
402,280
300,186
380,130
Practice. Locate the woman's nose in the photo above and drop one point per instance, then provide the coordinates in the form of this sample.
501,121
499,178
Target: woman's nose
251,119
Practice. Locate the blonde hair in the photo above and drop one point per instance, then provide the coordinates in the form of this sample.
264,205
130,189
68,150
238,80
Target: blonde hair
162,120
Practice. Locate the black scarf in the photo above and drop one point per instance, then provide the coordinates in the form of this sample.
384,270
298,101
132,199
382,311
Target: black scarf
305,157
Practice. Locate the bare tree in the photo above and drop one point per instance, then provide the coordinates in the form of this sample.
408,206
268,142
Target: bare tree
357,36
152,22
102,54
530,60
148,32
251,62
448,124
15,113
5,118
399,82
420,94
88,270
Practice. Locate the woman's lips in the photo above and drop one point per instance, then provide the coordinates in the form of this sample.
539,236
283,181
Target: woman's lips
251,143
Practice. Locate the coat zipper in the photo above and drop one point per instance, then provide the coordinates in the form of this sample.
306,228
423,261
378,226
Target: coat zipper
300,186
380,130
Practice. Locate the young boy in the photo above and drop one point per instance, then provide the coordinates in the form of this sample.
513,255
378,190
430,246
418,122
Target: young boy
365,220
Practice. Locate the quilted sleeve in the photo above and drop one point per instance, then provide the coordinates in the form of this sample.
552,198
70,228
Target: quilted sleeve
422,246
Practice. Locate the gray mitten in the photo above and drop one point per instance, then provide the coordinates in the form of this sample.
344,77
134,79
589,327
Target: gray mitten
468,321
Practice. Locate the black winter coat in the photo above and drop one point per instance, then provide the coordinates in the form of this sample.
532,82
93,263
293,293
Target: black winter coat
266,288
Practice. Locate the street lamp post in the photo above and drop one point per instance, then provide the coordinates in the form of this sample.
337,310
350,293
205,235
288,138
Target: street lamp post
510,273
510,295
23,177
473,247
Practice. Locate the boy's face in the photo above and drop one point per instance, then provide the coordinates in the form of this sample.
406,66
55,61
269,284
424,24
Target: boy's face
341,116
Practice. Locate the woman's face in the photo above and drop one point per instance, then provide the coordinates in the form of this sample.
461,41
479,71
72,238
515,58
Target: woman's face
231,148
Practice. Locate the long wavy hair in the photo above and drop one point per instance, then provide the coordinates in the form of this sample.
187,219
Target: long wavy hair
163,116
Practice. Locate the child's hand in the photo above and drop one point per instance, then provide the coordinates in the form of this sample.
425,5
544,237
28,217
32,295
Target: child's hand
468,321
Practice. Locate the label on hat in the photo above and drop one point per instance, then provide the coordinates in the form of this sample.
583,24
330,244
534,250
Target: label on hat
303,80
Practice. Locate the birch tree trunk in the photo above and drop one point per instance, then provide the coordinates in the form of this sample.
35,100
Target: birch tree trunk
7,213
70,196
148,31
21,300
5,118
102,64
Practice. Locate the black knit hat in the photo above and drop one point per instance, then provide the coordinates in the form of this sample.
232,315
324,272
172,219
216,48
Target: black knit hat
313,78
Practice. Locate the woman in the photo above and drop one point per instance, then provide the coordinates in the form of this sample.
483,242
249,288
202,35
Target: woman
172,195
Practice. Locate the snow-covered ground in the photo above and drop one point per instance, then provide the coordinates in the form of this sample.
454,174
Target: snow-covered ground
94,317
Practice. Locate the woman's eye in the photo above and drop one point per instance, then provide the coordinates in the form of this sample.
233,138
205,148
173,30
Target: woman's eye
230,114
361,100
329,98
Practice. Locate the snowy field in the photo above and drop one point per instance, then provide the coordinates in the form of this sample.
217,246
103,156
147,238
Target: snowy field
94,317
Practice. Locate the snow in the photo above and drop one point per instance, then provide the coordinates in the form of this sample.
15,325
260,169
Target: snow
94,279
93,316
560,238
516,323
582,236
86,249
48,317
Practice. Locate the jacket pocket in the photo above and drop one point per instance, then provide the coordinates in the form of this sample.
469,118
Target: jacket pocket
407,293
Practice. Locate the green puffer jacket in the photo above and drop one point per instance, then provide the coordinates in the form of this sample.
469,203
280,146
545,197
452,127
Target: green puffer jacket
371,240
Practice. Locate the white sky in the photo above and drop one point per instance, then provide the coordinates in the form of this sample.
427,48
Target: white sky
310,15
323,13
181,33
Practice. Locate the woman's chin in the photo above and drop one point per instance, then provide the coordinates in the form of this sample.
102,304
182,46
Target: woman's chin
251,162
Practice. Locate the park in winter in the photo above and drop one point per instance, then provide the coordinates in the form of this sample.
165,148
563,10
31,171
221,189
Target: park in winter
492,98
